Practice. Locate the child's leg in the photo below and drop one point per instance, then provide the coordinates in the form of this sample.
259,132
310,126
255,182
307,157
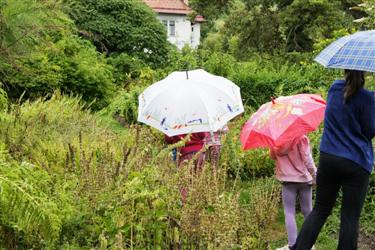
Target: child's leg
289,193
305,199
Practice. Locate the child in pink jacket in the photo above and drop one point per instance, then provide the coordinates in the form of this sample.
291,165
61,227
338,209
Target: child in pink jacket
296,170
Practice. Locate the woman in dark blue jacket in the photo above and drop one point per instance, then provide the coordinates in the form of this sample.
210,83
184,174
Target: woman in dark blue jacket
346,160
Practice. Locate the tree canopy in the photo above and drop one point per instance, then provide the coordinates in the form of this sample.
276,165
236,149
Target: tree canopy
40,53
285,25
121,26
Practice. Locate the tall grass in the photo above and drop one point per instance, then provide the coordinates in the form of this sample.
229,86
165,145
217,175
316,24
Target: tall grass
119,189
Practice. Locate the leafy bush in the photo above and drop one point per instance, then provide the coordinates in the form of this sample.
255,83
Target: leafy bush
366,21
124,107
71,65
259,80
40,54
121,26
126,68
246,165
219,63
305,22
181,60
25,24
85,71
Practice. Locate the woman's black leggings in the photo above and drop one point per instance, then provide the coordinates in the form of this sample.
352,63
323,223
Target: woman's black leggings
335,173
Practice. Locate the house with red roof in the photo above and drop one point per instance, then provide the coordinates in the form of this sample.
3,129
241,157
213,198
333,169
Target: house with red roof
174,14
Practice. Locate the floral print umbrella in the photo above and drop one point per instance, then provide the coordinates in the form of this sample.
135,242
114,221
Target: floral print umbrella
282,120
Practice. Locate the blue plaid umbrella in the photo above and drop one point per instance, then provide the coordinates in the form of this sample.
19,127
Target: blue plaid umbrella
356,52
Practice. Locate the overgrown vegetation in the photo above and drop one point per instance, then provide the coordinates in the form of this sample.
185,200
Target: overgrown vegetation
78,172
86,185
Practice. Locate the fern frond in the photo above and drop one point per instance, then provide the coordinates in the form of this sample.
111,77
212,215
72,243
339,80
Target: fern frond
23,211
22,205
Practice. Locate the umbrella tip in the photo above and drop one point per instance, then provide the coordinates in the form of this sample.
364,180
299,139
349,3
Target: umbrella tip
187,74
273,100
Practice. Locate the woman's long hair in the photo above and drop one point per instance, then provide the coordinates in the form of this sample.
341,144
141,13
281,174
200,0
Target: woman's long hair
355,80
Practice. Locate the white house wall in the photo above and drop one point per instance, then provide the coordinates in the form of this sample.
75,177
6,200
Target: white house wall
196,35
183,31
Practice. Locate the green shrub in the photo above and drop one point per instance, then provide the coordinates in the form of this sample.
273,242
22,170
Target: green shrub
71,65
126,68
245,165
219,64
124,107
121,26
186,59
25,25
40,54
260,79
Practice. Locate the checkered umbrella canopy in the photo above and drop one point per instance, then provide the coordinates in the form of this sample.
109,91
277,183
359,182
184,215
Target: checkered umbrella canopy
356,52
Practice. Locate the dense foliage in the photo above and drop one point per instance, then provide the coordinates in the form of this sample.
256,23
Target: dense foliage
287,25
121,26
76,169
40,54
91,186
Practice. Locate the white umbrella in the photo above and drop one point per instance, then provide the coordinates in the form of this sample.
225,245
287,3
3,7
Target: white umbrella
189,101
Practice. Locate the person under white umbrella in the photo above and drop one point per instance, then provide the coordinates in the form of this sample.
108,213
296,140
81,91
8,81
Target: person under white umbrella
190,101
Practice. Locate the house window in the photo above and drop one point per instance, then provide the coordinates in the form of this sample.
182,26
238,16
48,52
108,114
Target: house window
170,26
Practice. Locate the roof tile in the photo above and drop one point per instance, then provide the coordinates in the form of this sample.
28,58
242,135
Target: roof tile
169,6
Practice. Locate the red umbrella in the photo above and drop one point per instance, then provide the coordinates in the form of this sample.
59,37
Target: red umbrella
283,120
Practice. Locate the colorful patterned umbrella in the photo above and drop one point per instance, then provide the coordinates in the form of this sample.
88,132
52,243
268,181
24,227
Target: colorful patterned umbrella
188,102
356,51
283,120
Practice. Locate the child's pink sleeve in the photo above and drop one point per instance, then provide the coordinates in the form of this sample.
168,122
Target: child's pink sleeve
306,154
